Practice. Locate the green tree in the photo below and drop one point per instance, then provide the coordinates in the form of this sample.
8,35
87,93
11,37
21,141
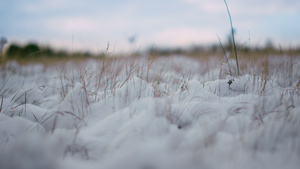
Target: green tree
13,51
30,50
47,51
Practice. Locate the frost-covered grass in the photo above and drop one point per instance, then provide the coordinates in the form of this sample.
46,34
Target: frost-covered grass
164,113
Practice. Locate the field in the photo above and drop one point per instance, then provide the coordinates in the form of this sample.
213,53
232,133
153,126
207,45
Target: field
169,112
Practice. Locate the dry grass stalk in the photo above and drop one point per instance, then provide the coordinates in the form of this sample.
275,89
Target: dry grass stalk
1,103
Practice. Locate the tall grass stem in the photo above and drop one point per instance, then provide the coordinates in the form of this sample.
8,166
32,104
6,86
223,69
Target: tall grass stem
232,34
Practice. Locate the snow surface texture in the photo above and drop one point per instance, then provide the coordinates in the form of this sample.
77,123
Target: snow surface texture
169,113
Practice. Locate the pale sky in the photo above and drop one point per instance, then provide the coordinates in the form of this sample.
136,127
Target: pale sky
160,23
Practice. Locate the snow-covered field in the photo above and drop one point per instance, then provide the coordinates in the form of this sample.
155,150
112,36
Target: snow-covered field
137,113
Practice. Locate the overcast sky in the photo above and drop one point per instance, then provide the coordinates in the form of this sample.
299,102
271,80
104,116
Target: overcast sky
165,23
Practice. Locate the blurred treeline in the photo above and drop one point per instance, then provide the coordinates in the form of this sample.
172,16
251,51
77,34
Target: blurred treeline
216,49
33,50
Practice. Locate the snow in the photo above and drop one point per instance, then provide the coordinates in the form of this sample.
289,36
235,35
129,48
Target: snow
169,112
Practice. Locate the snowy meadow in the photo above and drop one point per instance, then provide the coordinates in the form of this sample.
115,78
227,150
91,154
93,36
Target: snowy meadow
170,112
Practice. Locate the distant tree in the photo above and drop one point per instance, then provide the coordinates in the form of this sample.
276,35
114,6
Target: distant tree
298,49
229,44
197,49
269,45
30,50
13,51
214,48
47,51
245,49
62,54
3,41
86,54
178,51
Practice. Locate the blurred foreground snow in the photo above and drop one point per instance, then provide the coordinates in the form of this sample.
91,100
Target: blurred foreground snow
148,114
